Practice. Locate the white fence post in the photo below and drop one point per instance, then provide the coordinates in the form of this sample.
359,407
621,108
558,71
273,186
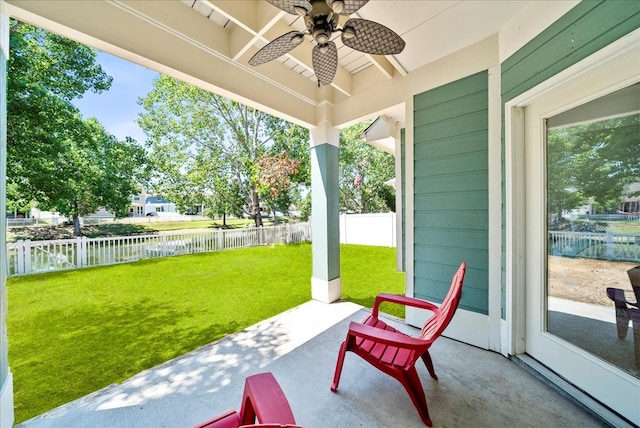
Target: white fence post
26,256
20,257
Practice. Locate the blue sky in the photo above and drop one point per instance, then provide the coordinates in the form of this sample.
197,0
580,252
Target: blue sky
117,109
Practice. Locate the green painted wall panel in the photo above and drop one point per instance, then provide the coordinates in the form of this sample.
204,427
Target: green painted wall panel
454,109
473,239
439,257
470,162
447,201
437,280
458,144
474,180
469,123
450,190
451,219
464,88
585,29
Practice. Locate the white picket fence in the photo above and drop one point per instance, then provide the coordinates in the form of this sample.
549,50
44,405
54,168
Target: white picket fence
28,256
605,246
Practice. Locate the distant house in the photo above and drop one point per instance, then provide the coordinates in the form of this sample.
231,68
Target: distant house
136,209
158,204
630,203
144,204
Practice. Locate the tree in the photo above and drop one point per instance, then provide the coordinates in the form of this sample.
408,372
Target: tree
94,171
45,72
290,174
205,147
594,160
364,169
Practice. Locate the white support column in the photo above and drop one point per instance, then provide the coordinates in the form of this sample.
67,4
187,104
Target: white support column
326,285
6,380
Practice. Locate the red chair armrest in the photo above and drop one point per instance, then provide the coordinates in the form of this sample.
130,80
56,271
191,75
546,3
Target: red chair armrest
401,300
386,337
618,296
265,401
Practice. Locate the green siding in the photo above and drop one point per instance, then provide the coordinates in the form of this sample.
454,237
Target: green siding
451,190
582,31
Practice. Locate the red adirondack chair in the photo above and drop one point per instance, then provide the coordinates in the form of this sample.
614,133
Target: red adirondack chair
264,400
628,311
396,353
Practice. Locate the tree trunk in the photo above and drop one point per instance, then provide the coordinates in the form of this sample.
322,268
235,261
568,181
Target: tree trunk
76,225
224,220
256,208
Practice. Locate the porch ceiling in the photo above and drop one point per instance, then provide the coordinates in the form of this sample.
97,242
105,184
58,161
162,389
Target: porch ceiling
209,43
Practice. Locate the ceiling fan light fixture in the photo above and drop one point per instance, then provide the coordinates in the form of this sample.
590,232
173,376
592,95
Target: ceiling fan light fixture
321,36
324,48
337,6
348,32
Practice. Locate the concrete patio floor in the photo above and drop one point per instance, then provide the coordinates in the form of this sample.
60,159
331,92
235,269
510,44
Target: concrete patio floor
476,388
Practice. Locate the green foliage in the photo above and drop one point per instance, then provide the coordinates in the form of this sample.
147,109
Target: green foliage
94,327
305,207
94,171
55,157
45,72
363,172
206,149
596,160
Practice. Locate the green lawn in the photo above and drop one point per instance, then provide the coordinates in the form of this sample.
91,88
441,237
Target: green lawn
74,332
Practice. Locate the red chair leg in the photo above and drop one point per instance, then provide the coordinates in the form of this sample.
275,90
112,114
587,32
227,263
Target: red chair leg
622,320
426,357
411,383
339,363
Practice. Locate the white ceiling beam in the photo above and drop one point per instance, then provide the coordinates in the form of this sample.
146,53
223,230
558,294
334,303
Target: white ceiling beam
251,20
383,65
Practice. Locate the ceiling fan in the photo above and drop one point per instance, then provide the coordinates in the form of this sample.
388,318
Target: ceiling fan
321,20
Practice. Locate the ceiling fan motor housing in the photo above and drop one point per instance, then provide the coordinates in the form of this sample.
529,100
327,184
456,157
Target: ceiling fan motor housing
321,22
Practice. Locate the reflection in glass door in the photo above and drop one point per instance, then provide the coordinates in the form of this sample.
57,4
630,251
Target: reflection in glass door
593,228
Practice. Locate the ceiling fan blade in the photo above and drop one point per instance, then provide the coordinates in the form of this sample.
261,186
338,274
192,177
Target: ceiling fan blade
325,62
346,7
371,37
290,6
277,47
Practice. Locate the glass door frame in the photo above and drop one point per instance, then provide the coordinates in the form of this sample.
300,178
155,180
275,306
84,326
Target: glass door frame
525,170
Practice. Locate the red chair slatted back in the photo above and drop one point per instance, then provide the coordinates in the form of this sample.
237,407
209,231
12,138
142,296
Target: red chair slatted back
438,322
